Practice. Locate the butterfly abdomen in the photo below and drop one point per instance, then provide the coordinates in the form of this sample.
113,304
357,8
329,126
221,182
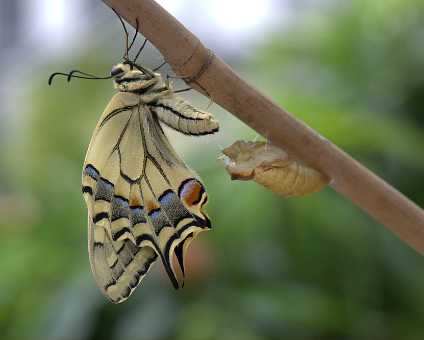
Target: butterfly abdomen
181,116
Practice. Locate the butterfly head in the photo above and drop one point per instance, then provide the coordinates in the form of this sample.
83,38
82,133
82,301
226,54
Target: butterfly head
131,77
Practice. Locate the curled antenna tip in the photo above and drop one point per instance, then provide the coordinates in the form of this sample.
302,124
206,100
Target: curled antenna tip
52,76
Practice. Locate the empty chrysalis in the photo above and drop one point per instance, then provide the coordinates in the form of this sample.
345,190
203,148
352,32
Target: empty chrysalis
271,167
143,201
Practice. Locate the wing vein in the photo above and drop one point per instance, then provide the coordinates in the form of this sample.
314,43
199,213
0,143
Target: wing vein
114,113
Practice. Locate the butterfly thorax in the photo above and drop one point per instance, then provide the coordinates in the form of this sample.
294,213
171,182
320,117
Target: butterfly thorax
148,89
129,77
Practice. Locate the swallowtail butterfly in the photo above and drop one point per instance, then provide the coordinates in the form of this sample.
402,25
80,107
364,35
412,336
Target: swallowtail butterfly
143,201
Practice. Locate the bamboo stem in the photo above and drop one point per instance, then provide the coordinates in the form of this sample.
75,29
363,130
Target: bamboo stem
188,56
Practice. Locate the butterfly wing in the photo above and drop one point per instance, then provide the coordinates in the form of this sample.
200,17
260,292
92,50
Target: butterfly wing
143,201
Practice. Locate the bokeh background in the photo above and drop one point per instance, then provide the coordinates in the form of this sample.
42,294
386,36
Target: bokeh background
310,268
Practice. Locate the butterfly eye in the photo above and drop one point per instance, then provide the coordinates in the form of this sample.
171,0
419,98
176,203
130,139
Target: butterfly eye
116,71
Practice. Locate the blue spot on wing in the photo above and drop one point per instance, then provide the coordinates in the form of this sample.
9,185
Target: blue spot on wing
137,215
166,197
91,171
121,201
154,213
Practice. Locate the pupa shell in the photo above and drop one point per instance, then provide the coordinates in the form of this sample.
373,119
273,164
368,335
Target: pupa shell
271,167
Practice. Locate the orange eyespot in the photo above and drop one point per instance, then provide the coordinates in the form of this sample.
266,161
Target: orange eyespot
191,191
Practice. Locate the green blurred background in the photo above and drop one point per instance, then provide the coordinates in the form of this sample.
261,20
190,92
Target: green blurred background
309,268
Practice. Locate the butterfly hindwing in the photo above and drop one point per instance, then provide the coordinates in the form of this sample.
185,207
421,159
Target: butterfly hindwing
118,266
143,201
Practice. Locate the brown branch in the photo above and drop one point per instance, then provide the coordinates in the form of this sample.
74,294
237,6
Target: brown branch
188,56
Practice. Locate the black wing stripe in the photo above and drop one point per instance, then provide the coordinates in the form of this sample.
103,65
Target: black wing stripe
116,235
100,216
87,190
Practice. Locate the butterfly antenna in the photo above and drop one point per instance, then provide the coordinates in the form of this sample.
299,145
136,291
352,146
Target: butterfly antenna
92,78
141,49
125,31
183,90
54,75
135,35
160,66
71,75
